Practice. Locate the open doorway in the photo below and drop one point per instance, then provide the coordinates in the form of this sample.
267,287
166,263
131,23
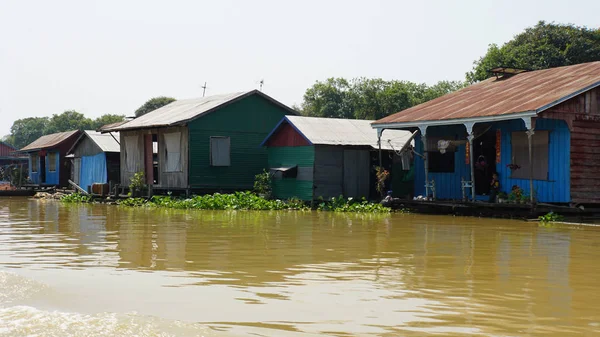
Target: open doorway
484,161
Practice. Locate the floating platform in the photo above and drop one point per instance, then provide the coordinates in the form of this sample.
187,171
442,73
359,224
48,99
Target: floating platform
504,210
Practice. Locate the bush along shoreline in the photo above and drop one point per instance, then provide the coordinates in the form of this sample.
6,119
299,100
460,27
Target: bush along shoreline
241,201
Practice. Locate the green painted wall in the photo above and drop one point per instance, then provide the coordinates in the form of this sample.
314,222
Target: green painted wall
247,122
304,157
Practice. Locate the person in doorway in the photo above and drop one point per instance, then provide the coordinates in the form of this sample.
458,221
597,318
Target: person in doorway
494,188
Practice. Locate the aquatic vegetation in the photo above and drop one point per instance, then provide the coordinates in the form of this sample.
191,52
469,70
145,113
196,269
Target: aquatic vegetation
133,202
76,198
550,217
234,201
243,201
341,204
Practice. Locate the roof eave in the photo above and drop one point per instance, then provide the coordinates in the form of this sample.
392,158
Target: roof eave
442,122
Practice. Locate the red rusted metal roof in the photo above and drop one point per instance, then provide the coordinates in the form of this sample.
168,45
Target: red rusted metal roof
532,91
50,141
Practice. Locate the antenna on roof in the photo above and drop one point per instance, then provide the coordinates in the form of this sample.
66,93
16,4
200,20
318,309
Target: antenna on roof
203,89
261,83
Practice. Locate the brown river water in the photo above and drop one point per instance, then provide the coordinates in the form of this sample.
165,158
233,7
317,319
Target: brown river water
99,270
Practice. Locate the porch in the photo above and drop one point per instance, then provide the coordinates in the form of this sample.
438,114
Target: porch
455,160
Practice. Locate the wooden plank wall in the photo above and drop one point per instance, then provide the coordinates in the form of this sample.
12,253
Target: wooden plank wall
582,114
329,171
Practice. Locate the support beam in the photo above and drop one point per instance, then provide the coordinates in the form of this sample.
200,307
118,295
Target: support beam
530,125
423,130
530,133
379,133
470,138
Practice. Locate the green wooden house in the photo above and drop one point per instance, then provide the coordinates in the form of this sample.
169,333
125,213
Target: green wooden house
202,145
315,157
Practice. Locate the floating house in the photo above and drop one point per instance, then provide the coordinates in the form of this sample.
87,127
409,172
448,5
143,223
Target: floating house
538,130
327,157
10,156
96,158
47,163
206,144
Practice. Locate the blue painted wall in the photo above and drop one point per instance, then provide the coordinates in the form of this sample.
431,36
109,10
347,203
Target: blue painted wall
51,177
447,185
556,189
34,176
93,170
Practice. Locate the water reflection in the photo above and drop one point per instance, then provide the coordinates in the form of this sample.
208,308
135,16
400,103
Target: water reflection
324,272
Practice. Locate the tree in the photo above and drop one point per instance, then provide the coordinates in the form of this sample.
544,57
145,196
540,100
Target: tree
328,99
153,104
67,121
106,119
26,130
364,98
540,47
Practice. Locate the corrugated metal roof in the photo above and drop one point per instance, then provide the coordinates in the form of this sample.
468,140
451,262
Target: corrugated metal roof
111,125
50,141
336,131
532,91
181,111
105,141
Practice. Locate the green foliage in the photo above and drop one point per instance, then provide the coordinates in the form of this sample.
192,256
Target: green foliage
341,204
132,202
550,217
67,121
235,201
363,98
153,104
26,130
137,184
263,183
543,46
105,120
76,198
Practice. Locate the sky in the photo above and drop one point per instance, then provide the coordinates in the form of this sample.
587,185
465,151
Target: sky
100,57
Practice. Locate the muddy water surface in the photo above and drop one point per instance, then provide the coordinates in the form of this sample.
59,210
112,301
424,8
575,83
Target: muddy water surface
96,270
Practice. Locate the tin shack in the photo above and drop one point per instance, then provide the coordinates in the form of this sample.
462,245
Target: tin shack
96,159
313,157
203,145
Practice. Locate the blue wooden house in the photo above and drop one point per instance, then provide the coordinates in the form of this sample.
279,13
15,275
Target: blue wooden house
47,163
538,130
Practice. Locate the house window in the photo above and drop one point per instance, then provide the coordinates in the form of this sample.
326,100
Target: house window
440,162
52,162
220,151
34,163
173,152
520,155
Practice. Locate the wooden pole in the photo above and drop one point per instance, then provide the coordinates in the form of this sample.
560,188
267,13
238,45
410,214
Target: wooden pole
425,159
530,134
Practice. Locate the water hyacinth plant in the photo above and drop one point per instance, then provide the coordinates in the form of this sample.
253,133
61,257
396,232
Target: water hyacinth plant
341,204
76,198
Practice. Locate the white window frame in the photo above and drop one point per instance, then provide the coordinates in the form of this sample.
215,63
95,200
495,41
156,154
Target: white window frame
213,159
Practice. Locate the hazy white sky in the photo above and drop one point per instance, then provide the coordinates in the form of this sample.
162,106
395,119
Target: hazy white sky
108,56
